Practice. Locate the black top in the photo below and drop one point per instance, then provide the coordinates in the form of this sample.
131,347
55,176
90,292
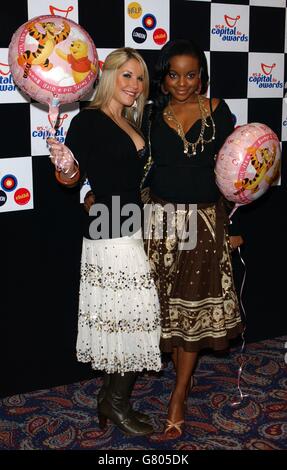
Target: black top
181,179
109,159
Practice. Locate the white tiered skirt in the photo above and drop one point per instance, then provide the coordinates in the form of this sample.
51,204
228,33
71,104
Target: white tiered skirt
119,313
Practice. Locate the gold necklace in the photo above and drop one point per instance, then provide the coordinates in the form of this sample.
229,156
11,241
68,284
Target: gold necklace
170,116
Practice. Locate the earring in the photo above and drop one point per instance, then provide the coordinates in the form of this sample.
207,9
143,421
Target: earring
198,88
163,89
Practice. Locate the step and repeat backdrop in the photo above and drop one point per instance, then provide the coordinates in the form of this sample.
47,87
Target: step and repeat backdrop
245,43
246,47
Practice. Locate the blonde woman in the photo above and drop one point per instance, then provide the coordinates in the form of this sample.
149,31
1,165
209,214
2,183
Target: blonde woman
119,316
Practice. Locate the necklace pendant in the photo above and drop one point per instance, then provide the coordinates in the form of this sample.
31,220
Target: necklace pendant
190,148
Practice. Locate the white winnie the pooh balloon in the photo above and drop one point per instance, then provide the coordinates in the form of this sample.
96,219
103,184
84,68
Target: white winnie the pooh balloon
53,60
248,163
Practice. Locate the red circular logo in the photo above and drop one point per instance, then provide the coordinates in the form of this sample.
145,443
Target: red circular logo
9,183
22,196
149,21
160,36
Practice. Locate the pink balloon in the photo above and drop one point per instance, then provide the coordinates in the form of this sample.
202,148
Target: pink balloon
248,163
53,60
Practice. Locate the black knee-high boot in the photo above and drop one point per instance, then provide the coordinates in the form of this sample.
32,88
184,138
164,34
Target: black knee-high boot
116,407
103,390
104,387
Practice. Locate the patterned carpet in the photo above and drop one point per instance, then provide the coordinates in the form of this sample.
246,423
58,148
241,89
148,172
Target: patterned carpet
65,417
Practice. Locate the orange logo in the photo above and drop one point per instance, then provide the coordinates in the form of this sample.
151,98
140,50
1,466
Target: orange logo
231,22
267,69
58,11
60,120
3,72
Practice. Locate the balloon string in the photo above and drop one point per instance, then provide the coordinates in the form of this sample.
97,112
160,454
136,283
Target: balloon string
232,212
242,362
53,115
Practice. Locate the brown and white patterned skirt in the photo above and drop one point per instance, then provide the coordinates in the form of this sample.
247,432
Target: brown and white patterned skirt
199,305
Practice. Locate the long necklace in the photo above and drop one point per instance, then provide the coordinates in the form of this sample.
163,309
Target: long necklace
170,116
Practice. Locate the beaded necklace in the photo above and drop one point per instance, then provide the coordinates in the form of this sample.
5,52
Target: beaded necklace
170,116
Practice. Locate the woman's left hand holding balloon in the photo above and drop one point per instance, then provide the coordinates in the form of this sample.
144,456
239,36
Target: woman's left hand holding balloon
235,241
61,156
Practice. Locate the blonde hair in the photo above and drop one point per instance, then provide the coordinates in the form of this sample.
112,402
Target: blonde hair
106,85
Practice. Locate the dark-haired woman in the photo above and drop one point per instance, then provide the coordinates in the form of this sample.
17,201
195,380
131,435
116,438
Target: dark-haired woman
199,306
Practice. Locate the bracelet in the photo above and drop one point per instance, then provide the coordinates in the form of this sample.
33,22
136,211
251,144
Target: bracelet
74,174
72,179
76,164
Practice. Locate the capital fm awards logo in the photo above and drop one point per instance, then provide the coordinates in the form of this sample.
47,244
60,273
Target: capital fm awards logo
65,8
16,187
9,92
41,128
146,24
229,28
265,75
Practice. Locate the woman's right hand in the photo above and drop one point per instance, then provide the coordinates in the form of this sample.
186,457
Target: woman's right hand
61,156
89,200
